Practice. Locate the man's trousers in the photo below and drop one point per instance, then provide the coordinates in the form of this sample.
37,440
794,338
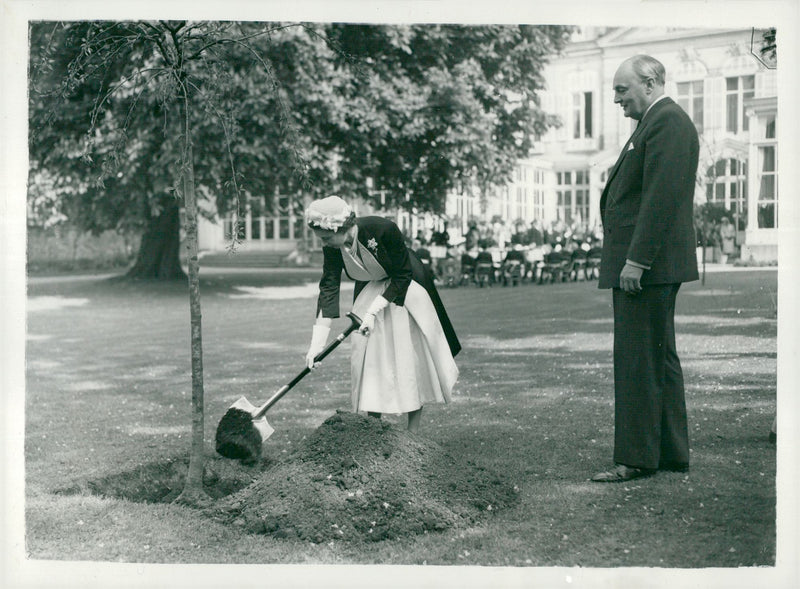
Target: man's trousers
650,429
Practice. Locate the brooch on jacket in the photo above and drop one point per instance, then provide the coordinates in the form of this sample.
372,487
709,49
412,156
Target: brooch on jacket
373,245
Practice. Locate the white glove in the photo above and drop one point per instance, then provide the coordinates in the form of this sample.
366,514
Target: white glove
319,337
368,321
367,324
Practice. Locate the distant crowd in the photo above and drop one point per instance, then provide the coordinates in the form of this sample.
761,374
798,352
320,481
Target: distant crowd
492,253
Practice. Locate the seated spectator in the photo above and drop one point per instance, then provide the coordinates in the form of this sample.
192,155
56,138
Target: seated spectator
515,253
484,256
484,265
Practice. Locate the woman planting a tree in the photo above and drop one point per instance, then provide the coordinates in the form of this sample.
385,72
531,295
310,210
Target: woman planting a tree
405,355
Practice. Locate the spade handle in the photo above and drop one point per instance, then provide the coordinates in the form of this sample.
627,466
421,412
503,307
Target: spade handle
355,324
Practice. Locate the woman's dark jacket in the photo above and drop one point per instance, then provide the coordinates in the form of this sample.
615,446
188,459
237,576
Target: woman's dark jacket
384,239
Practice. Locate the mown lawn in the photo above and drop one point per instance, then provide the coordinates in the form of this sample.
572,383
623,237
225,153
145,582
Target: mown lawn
109,389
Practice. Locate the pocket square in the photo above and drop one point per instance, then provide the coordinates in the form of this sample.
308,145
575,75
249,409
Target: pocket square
630,146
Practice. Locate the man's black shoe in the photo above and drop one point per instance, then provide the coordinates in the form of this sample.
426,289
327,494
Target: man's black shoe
621,473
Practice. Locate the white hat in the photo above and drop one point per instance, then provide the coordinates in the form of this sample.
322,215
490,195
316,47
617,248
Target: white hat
328,213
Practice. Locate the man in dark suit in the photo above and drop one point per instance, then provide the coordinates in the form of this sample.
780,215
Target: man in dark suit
648,251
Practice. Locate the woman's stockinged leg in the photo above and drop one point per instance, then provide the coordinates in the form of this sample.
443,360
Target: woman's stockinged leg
414,419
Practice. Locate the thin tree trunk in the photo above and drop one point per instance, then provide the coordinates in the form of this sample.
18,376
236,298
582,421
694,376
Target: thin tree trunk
193,493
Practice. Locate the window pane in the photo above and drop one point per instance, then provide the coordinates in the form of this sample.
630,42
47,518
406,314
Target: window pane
587,119
683,88
719,191
766,216
749,82
255,228
697,114
732,83
732,110
269,228
559,178
284,228
770,128
719,168
767,189
567,177
767,158
697,87
578,177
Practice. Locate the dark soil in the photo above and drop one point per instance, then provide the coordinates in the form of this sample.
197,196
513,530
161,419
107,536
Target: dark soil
162,482
358,478
237,438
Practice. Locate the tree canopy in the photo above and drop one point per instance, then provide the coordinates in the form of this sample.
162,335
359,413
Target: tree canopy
288,107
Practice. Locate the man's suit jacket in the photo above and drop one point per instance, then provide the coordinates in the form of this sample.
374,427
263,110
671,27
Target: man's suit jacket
647,203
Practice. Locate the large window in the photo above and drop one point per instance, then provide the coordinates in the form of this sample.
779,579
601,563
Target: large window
726,184
259,223
767,187
737,90
767,175
572,196
690,98
581,115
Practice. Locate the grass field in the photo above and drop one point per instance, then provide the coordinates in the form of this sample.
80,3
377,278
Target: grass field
108,392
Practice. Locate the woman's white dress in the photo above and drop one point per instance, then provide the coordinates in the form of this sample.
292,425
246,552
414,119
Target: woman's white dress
406,361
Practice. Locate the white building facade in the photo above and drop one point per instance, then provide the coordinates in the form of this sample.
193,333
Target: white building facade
729,93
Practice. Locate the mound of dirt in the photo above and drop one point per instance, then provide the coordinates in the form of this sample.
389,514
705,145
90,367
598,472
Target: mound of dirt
357,479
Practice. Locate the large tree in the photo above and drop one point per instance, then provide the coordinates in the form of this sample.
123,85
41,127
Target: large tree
440,107
114,66
107,124
418,109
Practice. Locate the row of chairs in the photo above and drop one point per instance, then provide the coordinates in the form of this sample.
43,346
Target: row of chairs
558,266
562,266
